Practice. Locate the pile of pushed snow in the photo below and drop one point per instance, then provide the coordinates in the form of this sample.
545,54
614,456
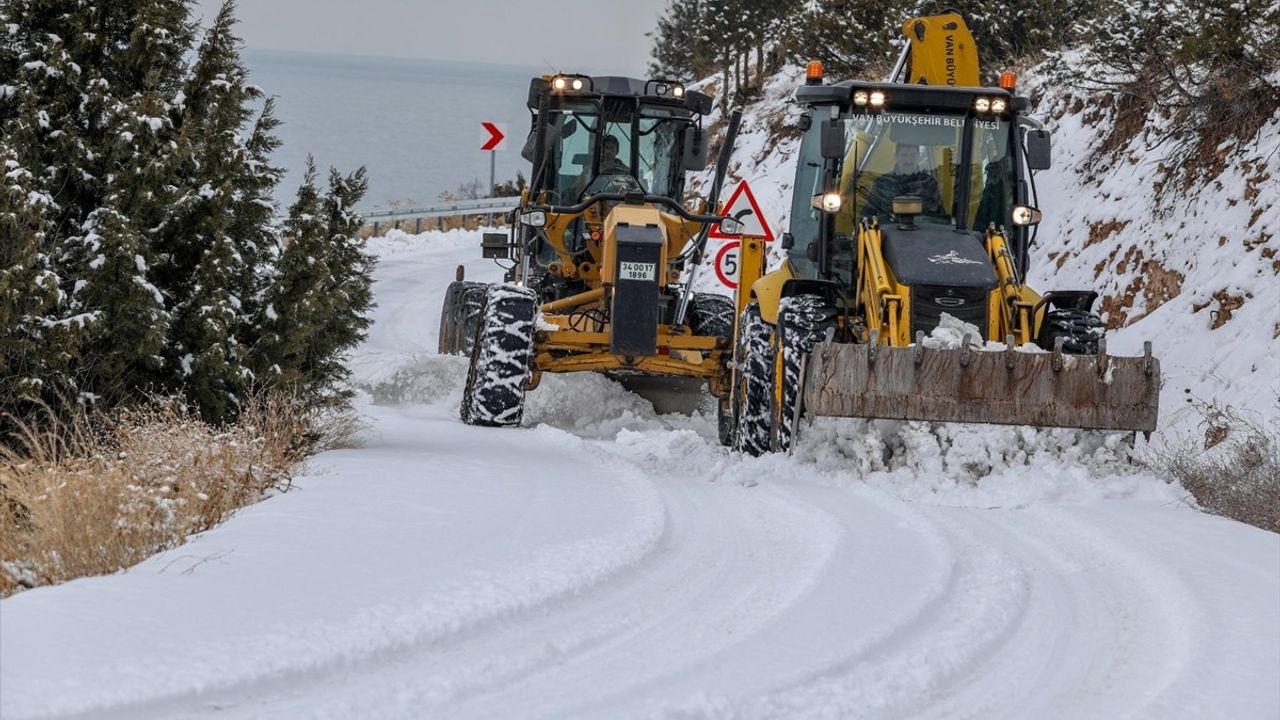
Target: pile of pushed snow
953,333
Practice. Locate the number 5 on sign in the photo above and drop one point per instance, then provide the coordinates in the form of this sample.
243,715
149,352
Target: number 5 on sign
727,264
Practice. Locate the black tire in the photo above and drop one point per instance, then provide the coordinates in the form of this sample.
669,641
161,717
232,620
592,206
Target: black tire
1081,329
470,307
711,314
725,421
752,383
446,333
802,323
458,315
501,357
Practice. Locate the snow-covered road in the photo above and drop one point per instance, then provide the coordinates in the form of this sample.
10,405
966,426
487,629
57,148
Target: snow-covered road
607,562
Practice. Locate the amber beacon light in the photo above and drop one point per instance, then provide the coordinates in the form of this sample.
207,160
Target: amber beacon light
813,73
1008,80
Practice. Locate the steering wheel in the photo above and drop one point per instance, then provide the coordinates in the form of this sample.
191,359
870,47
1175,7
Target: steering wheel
617,183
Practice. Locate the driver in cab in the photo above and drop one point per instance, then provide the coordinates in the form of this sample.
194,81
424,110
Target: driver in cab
609,164
907,178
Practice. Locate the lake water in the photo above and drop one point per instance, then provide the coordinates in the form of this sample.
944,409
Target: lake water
414,123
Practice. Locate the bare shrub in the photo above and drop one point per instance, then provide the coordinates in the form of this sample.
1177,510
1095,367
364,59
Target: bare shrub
91,495
1231,468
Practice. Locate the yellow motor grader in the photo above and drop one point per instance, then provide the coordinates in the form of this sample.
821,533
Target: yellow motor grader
914,208
597,250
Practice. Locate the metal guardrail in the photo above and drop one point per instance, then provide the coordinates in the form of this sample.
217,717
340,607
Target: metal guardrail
453,208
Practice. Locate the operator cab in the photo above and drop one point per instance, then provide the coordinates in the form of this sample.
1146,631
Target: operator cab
951,155
610,135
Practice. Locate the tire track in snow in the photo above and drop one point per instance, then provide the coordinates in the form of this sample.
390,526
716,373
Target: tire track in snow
530,580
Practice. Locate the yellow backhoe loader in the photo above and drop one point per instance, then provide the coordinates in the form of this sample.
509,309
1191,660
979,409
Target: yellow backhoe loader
597,250
914,208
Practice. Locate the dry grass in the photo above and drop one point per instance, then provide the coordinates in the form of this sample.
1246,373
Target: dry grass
1233,469
94,495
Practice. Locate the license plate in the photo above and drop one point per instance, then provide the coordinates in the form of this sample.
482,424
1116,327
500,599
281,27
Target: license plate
637,271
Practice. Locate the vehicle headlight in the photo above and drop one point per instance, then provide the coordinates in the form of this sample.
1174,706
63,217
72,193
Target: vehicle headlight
827,202
860,98
1023,215
982,105
876,99
534,218
559,83
577,83
998,105
677,91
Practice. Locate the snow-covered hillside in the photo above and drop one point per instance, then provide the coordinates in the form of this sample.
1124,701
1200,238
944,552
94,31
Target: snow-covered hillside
602,561
1193,269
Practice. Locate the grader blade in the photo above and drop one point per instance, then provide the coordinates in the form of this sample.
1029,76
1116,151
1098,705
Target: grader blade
975,386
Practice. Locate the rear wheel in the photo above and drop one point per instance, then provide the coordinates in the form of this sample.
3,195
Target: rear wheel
752,383
501,358
802,323
458,315
1081,331
711,314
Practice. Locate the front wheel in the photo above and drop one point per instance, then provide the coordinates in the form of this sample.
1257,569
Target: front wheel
501,358
802,323
752,383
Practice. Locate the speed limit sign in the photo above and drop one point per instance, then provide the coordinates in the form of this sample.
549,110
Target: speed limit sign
727,264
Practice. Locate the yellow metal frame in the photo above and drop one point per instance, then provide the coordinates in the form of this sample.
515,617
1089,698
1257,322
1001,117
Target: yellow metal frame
568,349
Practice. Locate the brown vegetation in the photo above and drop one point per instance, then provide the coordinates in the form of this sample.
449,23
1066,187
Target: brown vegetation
98,495
1233,469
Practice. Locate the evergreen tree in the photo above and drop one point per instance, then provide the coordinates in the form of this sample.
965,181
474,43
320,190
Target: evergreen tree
34,347
318,304
219,232
681,50
123,312
216,378
850,37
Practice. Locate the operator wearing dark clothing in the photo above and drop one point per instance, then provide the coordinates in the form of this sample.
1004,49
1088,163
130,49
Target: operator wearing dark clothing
906,179
609,165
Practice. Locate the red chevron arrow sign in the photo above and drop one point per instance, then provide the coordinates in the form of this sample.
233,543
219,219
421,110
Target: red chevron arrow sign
496,136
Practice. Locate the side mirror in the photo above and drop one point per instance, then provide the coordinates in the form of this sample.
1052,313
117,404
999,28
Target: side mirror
695,149
832,139
1038,157
550,134
494,246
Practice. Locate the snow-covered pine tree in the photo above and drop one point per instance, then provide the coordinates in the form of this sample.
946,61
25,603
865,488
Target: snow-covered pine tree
213,368
294,305
317,306
350,295
849,36
219,231
34,346
680,49
124,313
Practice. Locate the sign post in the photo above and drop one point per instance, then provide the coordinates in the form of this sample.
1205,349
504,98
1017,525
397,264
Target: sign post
495,141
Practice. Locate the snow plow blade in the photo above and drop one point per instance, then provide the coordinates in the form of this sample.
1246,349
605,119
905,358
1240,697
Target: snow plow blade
1003,387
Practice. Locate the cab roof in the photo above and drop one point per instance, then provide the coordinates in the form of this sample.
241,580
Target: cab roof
658,90
899,96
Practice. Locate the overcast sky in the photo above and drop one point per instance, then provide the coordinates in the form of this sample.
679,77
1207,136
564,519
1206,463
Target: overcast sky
588,35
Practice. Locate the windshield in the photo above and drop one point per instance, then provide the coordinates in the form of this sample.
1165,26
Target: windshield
634,147
894,154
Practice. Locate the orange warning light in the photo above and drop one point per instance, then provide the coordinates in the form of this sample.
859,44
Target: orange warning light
813,73
1008,80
